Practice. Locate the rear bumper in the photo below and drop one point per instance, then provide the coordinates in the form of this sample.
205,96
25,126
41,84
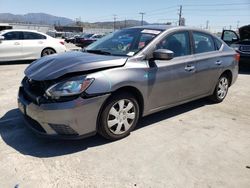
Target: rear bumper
75,119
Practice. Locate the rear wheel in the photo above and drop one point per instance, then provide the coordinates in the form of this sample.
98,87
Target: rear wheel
119,116
221,89
47,51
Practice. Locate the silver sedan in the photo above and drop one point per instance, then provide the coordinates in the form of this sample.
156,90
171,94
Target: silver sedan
126,75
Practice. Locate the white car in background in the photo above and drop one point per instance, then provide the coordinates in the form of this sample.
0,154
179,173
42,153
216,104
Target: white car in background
27,45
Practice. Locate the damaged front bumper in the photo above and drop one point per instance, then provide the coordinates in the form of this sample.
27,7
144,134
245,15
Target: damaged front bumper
64,120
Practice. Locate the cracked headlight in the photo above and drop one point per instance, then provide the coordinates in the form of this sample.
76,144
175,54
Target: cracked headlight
70,87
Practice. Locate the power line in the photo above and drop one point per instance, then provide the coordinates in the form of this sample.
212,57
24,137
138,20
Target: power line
167,8
161,13
218,4
220,9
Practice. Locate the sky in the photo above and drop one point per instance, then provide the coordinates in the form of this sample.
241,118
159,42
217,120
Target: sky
218,13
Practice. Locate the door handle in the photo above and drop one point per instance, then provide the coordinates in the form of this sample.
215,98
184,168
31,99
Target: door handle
218,62
40,42
16,43
189,68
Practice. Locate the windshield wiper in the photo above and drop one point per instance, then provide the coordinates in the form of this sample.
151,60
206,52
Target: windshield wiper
98,52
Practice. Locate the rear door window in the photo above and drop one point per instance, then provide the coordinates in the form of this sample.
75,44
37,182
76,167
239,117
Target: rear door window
218,43
33,36
203,42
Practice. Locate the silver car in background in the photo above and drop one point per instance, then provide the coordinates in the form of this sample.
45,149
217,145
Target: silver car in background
126,75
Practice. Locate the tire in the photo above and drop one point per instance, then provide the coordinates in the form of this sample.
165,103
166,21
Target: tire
221,89
47,51
119,116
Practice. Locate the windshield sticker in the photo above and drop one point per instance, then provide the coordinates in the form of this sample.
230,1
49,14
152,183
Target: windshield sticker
130,53
148,31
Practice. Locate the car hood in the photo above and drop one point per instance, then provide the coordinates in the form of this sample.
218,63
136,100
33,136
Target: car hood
54,66
244,32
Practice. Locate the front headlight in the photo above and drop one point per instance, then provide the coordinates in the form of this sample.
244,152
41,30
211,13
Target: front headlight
70,87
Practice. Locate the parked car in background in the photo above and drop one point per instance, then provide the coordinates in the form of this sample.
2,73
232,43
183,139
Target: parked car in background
87,39
107,87
71,39
241,42
27,45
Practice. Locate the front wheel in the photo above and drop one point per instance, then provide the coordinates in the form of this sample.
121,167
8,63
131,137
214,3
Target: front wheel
119,116
221,89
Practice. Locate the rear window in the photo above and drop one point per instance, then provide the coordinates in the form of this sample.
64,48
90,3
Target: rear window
218,43
203,42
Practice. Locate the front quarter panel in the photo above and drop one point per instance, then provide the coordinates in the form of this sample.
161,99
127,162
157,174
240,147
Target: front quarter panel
133,74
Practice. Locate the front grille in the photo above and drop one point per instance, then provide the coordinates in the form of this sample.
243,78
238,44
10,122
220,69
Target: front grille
245,48
36,87
34,90
63,129
34,124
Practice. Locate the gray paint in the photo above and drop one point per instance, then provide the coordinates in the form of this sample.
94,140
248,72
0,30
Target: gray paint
55,66
165,85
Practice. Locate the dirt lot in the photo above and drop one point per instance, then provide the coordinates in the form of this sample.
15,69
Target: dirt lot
193,145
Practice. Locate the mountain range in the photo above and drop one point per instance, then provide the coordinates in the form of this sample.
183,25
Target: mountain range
47,19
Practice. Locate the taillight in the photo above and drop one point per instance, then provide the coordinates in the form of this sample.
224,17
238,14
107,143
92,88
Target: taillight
237,57
62,42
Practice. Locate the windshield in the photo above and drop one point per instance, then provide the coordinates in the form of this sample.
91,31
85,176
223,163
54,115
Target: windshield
125,42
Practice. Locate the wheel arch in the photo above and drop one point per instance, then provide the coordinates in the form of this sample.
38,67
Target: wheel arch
128,89
135,92
47,48
229,75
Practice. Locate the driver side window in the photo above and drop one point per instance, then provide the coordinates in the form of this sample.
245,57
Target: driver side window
179,43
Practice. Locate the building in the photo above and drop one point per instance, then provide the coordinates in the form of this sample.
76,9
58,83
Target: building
73,29
4,26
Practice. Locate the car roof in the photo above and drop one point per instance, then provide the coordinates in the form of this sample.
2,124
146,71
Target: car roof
168,27
155,27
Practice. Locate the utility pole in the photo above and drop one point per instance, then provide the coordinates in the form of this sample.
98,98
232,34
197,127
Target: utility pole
230,27
115,21
238,23
180,14
125,23
207,24
142,16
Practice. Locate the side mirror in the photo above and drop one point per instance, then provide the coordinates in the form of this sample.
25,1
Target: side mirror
163,54
234,39
2,37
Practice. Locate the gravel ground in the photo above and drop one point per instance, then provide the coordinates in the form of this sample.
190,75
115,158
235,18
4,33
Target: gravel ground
193,145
